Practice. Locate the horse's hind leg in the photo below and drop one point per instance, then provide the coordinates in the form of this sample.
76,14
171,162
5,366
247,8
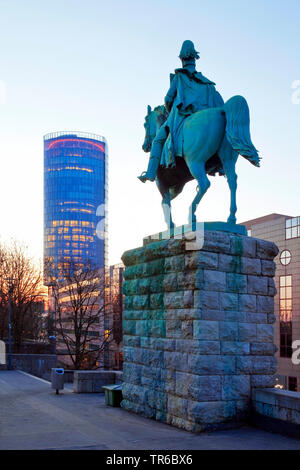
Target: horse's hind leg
228,157
199,173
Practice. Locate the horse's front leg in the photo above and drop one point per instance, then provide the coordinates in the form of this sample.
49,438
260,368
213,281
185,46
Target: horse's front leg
166,204
199,173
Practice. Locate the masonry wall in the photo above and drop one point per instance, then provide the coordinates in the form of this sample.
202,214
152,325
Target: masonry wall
198,329
39,365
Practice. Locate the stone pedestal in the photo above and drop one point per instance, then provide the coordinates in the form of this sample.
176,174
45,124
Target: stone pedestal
198,328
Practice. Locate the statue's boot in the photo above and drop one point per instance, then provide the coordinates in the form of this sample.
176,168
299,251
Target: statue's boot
151,171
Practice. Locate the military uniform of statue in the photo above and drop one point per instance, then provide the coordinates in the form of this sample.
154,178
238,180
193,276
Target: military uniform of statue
189,92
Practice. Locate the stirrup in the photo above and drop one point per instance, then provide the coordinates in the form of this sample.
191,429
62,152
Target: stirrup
143,177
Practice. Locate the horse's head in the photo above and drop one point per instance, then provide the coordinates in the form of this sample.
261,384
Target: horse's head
153,121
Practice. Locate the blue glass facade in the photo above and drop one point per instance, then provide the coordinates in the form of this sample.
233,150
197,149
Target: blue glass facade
75,193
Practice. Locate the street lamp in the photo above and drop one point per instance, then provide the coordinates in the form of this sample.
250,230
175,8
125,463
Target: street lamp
10,291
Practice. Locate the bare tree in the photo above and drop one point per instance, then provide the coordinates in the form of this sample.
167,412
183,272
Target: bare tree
79,309
21,280
114,305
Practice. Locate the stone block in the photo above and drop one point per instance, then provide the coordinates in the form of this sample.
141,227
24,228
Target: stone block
214,280
211,365
235,348
174,299
201,259
173,328
257,285
228,331
243,246
265,304
157,399
177,406
247,303
198,346
140,302
176,361
268,268
134,341
164,344
256,365
188,299
251,317
235,316
198,388
174,264
156,283
156,301
217,242
266,250
129,327
187,330
262,381
211,412
214,315
205,388
265,333
272,291
247,332
130,287
170,282
229,263
190,280
236,283
236,387
206,330
250,266
228,301
206,300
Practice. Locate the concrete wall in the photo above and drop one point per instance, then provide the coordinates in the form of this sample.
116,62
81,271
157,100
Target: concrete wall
39,365
91,381
277,410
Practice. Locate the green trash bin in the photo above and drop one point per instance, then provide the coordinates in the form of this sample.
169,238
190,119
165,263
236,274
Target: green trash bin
113,394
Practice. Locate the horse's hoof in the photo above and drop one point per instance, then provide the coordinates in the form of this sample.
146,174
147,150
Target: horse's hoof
231,220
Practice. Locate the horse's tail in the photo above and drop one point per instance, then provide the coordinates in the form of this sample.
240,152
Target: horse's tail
238,128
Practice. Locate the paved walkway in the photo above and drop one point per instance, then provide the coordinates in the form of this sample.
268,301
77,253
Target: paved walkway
33,417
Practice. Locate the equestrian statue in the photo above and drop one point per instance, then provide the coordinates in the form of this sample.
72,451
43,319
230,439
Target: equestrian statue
194,135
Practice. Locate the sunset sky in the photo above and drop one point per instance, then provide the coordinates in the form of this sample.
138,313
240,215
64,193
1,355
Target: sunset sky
94,67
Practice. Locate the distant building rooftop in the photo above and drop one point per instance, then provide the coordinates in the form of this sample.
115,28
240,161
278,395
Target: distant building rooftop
265,218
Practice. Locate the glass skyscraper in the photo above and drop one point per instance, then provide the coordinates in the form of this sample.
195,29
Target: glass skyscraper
75,194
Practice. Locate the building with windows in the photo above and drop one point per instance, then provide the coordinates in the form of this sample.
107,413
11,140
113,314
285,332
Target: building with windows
75,195
113,316
284,230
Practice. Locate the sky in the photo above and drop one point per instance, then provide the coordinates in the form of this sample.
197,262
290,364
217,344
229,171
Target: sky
94,66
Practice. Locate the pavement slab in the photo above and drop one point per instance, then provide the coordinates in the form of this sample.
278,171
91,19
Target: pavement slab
32,416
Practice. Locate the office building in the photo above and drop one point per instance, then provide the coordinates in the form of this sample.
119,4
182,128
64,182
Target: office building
75,197
284,230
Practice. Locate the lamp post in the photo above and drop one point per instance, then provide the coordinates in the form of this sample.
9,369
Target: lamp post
10,291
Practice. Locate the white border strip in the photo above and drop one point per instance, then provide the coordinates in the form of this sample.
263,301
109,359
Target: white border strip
33,376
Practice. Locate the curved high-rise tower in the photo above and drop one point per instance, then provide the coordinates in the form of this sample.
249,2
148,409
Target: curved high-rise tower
75,193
